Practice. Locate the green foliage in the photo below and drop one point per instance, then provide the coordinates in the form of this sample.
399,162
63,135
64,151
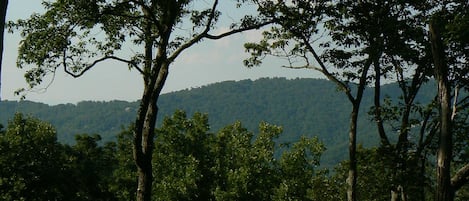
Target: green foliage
193,164
30,161
190,163
88,168
182,160
297,169
34,166
124,174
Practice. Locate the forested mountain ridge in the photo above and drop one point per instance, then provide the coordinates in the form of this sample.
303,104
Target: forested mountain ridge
311,107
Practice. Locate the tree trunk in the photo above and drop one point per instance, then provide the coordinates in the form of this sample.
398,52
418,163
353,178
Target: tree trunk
3,7
444,192
143,144
377,101
145,130
352,173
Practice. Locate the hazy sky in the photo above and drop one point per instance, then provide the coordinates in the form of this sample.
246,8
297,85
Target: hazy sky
207,62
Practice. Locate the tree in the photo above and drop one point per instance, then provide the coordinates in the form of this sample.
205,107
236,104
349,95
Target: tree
374,182
148,25
124,174
405,59
297,167
347,56
184,166
449,47
31,161
232,164
89,168
3,13
444,191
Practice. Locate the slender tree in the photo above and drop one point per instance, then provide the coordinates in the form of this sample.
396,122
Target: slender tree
450,52
3,10
444,191
351,41
405,59
77,35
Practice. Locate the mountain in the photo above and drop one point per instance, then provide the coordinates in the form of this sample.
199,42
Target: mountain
311,107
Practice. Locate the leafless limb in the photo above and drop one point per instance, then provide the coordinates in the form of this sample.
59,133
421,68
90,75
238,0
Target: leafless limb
75,75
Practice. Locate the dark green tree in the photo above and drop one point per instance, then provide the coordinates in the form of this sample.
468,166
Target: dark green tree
232,164
183,158
89,168
31,161
124,173
297,169
87,33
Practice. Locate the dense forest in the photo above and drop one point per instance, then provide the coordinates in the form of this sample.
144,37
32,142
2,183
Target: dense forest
297,105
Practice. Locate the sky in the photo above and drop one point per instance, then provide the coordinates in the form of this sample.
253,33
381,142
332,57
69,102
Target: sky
205,63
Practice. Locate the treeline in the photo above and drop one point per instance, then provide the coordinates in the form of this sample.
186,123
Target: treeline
190,163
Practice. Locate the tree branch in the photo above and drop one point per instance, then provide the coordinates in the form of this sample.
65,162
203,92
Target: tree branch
324,70
377,102
235,31
455,100
75,75
205,34
460,178
198,37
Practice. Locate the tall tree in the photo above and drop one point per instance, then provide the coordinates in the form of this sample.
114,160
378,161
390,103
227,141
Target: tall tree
445,136
351,41
405,60
450,50
3,10
77,35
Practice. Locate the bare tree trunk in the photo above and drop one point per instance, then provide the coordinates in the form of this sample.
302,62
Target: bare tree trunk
3,7
144,166
144,135
444,192
143,140
352,173
377,101
356,102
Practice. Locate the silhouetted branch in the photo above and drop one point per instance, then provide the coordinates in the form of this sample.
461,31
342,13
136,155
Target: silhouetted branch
75,75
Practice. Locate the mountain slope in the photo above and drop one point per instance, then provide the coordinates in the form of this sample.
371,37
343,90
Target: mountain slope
310,107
